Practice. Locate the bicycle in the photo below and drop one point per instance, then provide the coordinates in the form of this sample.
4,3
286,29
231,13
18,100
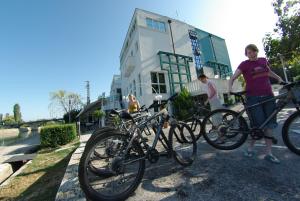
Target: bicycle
195,121
120,168
234,129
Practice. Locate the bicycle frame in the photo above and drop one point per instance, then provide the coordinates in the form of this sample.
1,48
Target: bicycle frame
164,117
278,108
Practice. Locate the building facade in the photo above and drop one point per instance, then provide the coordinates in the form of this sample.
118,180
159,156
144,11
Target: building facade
161,55
114,101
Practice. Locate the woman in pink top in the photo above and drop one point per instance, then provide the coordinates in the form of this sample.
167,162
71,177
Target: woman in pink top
256,72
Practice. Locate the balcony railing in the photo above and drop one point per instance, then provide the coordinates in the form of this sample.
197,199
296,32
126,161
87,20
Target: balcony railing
196,87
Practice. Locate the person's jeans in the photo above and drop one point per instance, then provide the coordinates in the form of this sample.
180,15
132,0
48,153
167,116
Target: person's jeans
261,112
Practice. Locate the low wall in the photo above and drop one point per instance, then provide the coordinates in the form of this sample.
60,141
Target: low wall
11,135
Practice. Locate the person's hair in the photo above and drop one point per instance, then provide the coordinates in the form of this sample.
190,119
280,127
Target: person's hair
251,47
202,76
131,95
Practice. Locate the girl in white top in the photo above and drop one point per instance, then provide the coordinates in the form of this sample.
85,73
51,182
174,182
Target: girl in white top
214,103
211,91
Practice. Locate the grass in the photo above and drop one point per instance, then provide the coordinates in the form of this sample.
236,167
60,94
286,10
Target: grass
40,180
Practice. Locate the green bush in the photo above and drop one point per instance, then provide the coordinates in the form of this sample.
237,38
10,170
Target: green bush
57,135
297,78
183,104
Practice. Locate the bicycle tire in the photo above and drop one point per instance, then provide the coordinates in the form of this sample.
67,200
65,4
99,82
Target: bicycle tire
285,133
91,193
238,143
194,123
178,157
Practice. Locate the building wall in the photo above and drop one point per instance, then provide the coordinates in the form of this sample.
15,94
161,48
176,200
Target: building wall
139,57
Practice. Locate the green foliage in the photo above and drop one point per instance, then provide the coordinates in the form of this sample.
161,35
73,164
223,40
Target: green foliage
57,135
183,104
242,80
73,115
116,121
297,78
17,113
286,38
9,120
98,114
230,101
63,101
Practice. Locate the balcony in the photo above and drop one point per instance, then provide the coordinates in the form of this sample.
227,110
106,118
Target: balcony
129,66
196,87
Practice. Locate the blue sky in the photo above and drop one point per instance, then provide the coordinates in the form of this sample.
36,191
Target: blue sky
47,45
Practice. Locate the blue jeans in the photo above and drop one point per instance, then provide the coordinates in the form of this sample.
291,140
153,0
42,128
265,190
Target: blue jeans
261,112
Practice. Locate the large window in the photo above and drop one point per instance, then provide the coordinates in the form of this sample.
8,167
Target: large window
157,25
158,83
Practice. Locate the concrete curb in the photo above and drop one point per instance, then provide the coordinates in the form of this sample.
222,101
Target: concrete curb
69,188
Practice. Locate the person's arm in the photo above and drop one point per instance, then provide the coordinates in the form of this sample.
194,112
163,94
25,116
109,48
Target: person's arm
138,105
275,76
236,74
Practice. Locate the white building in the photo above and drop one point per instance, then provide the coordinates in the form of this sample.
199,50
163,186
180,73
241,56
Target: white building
149,66
114,101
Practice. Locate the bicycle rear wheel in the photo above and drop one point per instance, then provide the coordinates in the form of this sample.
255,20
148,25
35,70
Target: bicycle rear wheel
116,176
223,129
291,133
195,125
184,151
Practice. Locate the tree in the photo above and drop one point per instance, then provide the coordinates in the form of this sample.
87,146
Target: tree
65,102
1,117
286,38
98,114
73,115
17,113
9,120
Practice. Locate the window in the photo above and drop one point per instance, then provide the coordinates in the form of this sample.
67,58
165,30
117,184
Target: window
140,85
134,88
136,46
157,25
130,88
158,83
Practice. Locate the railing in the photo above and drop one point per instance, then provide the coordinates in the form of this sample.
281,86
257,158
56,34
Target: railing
196,87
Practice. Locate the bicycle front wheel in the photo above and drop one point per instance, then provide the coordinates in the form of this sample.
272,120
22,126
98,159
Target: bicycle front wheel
115,176
184,151
291,133
224,130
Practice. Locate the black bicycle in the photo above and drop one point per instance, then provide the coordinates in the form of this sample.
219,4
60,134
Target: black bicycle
195,121
232,128
118,166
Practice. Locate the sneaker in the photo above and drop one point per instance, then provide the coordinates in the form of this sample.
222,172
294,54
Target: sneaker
271,158
248,153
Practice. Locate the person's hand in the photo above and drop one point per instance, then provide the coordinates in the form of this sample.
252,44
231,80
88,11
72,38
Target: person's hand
280,80
206,102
